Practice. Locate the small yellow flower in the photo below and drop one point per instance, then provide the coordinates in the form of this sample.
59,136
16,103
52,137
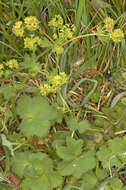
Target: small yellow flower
109,24
59,80
1,66
45,89
31,23
56,81
67,32
12,64
17,29
54,85
117,35
63,77
32,42
56,22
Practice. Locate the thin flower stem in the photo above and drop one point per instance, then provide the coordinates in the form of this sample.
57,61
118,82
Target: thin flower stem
80,37
44,33
64,102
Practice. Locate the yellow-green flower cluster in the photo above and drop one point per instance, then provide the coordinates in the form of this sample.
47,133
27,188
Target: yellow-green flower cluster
107,31
109,24
62,36
7,67
31,42
56,22
12,64
64,33
59,80
67,31
31,23
117,35
18,29
61,33
54,84
46,89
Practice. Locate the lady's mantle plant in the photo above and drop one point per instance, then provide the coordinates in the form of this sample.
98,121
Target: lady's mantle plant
65,159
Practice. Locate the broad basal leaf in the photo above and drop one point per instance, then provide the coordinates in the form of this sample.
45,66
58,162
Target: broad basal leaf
36,107
88,181
74,162
117,145
36,114
36,183
59,138
35,127
22,161
78,166
72,150
112,153
43,166
104,154
43,182
8,91
116,183
46,178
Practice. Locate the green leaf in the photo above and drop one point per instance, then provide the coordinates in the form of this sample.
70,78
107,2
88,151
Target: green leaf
81,126
5,187
36,114
78,166
112,153
59,138
104,155
72,123
102,173
117,145
37,107
9,91
46,177
73,149
38,183
43,182
116,184
88,180
31,63
22,161
101,122
35,127
55,179
43,166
